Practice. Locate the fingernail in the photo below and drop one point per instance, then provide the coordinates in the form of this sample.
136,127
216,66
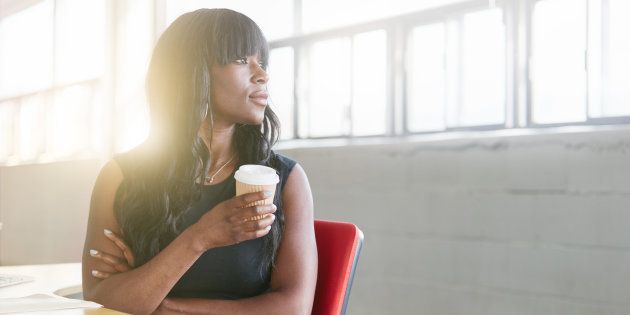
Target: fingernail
268,193
107,232
93,252
94,273
268,227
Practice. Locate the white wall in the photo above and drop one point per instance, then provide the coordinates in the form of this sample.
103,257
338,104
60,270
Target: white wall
44,210
531,224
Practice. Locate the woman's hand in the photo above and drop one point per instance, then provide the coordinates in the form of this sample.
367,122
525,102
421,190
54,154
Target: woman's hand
231,222
228,223
114,264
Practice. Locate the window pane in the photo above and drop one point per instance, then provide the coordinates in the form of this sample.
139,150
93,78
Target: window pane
594,62
325,14
132,121
618,60
557,72
7,126
483,56
275,18
281,88
426,77
369,82
324,111
69,121
80,38
453,71
26,50
97,125
31,126
134,50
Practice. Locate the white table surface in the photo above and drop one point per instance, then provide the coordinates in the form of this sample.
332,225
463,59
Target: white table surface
49,278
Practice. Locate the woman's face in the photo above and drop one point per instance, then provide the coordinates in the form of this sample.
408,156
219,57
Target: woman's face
239,91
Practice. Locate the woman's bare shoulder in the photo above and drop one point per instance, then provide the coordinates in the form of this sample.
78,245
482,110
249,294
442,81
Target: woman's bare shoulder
101,217
297,193
112,169
109,178
104,195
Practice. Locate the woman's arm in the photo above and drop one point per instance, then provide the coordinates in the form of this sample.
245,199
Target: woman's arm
143,289
294,278
140,290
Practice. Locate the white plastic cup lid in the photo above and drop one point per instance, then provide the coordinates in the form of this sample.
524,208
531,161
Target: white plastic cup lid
253,174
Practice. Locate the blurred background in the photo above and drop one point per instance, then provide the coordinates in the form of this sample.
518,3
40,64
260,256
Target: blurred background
483,147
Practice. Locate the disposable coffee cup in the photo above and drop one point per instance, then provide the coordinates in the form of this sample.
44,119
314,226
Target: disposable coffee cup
252,178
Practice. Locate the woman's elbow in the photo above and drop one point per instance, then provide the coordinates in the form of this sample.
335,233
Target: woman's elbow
88,293
301,303
302,309
136,308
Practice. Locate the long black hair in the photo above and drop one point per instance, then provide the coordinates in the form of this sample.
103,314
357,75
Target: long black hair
162,182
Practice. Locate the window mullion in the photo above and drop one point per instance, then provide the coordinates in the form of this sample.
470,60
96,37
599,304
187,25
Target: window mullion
511,22
397,88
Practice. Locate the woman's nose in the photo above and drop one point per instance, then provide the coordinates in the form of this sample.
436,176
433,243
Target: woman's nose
260,76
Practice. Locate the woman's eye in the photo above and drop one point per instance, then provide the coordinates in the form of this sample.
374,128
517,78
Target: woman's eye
263,65
241,60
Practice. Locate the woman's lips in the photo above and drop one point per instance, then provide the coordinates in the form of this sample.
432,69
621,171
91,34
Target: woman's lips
262,101
260,98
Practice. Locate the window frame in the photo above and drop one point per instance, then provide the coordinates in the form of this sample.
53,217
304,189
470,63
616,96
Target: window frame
528,8
518,31
398,30
43,155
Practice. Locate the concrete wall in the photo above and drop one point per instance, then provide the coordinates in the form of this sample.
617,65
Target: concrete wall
533,224
478,224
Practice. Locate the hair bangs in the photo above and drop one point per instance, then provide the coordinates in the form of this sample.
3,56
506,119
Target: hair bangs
238,36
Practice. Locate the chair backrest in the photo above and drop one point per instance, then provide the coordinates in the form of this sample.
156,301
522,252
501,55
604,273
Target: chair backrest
338,247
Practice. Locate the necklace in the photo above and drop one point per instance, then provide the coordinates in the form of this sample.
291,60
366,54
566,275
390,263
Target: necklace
210,179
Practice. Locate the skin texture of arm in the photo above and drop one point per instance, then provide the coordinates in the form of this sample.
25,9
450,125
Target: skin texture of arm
294,278
140,290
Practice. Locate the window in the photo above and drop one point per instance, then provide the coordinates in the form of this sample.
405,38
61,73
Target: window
483,69
344,86
72,72
135,40
275,18
608,64
281,87
7,127
580,70
26,50
52,57
369,81
427,78
79,40
69,118
558,76
326,97
318,15
31,118
616,51
457,73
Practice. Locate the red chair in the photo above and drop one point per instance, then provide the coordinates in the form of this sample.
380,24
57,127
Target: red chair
338,248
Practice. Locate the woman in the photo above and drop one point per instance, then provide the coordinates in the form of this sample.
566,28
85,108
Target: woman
166,234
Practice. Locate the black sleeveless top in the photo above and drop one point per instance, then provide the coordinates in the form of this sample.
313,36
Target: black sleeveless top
229,272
